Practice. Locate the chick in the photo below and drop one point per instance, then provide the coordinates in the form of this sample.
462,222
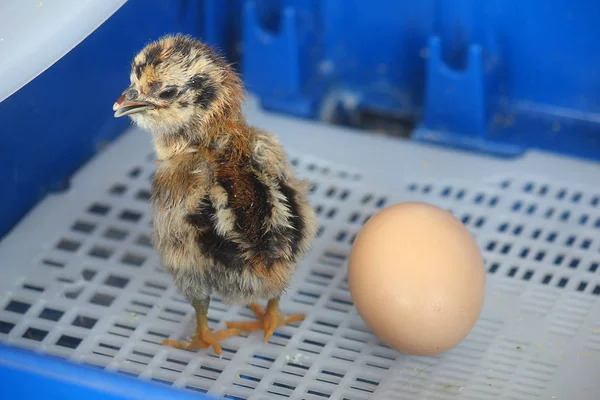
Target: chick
229,217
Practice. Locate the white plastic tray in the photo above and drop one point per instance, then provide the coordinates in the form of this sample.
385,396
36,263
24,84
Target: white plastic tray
81,281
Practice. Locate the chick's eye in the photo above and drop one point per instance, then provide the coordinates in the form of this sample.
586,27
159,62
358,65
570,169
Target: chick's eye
168,94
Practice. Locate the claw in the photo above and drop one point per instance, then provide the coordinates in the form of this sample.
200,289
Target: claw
205,339
268,320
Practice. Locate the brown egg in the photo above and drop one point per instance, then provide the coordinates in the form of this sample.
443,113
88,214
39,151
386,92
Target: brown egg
417,278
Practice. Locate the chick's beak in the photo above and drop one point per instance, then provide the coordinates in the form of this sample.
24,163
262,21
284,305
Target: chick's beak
124,107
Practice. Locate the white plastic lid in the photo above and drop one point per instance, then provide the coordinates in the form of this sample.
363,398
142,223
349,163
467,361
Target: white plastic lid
36,34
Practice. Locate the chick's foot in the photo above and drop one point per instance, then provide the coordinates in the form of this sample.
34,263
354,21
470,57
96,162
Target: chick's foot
268,320
204,339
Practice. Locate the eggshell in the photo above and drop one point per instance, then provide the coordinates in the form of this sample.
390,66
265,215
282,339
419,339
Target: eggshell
417,278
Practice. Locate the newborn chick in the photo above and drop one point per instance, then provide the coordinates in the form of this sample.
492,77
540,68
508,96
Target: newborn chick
229,217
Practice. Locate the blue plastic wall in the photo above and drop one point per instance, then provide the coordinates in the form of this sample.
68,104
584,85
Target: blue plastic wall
499,76
27,375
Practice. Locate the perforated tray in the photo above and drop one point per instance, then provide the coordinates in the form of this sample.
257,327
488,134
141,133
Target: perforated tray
81,281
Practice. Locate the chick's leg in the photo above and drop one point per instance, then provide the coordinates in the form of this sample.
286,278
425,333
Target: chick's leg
268,320
204,337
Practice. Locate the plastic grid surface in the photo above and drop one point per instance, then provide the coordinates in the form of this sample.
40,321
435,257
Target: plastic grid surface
81,281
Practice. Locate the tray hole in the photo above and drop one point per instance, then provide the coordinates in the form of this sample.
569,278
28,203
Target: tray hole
366,198
596,290
531,209
491,245
527,275
135,172
68,245
479,222
162,381
523,253
518,229
141,304
232,397
540,255
320,231
101,252
123,326
379,366
84,322
18,307
381,202
83,227
354,217
367,381
559,259
584,219
53,263
143,195
117,189
506,248
135,260
130,216
586,244
35,334
73,293
331,213
144,240
115,234
593,267
344,195
154,285
536,234
70,342
99,209
516,206
549,212
503,227
562,282
547,278
317,393
51,314
33,288
102,299
582,285
512,272
88,274
570,240
116,281
461,194
574,263
493,268
6,327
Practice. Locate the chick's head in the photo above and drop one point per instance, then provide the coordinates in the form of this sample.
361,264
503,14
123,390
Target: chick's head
178,83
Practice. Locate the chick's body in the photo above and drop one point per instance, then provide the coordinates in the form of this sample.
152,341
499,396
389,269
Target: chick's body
229,217
230,224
